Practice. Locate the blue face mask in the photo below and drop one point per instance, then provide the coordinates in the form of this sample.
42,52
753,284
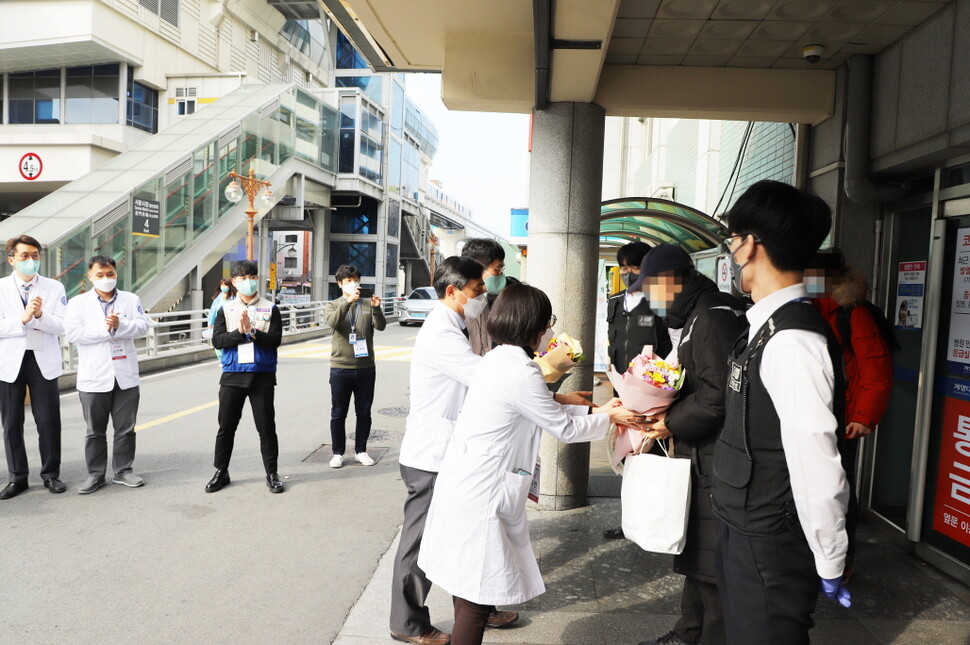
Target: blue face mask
247,287
28,267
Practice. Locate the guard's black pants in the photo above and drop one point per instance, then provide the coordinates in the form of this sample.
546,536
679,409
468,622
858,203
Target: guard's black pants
45,404
231,401
768,586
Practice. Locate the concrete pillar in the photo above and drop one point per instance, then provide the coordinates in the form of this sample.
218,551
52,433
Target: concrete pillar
318,255
566,175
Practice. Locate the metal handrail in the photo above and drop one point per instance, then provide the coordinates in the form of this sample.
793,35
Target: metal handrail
177,331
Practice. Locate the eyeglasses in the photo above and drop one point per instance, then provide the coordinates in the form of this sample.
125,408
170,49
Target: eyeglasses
552,321
726,242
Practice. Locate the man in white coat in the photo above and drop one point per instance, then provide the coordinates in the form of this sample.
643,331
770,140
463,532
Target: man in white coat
104,324
442,367
31,318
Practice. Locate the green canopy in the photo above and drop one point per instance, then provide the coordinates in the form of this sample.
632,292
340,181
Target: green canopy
656,221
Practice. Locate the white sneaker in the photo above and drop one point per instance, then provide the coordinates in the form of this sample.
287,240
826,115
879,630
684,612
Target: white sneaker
337,461
364,459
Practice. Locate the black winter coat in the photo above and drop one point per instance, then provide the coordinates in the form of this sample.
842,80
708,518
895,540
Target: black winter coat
711,323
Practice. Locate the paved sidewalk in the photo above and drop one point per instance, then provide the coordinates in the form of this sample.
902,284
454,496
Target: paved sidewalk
602,592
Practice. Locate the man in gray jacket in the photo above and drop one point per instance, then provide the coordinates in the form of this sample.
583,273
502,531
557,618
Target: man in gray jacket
352,370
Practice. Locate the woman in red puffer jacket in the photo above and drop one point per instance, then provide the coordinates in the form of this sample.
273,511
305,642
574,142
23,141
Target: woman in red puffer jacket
839,293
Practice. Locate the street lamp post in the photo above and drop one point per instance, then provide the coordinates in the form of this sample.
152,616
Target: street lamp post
249,186
277,249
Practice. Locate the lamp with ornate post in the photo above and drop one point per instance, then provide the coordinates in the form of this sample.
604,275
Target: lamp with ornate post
249,186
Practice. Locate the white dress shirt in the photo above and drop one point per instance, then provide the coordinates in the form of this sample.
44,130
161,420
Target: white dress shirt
797,372
442,366
631,299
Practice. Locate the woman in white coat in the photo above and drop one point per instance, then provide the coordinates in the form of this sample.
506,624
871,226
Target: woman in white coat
476,540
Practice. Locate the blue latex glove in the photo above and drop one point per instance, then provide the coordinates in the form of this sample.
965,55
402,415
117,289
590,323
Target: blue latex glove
834,589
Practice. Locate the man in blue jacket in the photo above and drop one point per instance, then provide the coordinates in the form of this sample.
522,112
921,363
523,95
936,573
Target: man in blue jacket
248,330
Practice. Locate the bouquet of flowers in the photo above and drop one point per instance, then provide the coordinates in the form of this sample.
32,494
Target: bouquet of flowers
562,353
649,385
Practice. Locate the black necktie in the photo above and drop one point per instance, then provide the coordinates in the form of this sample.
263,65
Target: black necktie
464,330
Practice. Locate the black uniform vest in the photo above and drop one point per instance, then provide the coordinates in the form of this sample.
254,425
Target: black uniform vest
629,331
752,488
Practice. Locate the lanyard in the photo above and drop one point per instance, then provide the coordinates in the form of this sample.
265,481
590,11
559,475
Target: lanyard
354,315
25,293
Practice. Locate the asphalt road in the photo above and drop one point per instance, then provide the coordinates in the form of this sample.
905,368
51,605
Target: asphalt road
169,563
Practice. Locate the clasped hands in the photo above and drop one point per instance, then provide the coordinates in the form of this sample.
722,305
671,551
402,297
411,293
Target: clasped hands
245,325
34,309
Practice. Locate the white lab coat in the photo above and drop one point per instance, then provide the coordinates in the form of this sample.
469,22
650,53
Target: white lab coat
14,334
103,357
476,539
442,365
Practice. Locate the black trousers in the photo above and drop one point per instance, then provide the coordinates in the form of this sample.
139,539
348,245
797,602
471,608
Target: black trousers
768,587
45,405
701,618
231,401
343,384
848,450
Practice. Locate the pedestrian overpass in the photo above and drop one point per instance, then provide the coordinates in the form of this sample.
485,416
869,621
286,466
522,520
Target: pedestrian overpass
160,209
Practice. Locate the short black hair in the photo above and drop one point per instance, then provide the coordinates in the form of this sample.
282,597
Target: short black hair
483,249
791,224
632,254
519,315
829,260
346,271
243,267
21,239
456,272
103,260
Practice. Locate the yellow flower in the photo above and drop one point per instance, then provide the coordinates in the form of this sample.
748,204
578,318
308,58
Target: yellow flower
657,377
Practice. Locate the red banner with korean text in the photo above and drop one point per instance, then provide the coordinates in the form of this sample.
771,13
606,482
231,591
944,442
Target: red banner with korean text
951,510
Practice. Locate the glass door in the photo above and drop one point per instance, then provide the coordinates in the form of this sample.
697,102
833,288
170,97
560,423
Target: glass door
946,511
892,454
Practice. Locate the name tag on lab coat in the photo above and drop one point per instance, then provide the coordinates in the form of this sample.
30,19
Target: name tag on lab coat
118,350
35,339
246,353
360,349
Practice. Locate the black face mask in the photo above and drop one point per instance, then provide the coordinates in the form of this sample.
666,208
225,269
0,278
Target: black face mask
629,278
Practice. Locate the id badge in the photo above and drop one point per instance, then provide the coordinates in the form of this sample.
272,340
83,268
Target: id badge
534,486
246,353
35,339
118,350
352,338
360,349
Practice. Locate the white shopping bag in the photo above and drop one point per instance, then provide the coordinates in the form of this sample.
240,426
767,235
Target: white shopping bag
655,500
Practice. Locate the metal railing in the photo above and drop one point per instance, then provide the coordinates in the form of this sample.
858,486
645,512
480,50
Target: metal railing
178,331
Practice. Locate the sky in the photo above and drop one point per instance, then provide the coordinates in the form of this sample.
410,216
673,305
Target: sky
483,158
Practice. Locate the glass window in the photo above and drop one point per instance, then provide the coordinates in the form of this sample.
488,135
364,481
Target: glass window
142,106
175,228
348,133
228,161
202,188
393,218
372,86
145,251
289,263
357,220
362,255
185,108
35,97
92,94
397,107
289,239
394,166
69,260
347,55
390,261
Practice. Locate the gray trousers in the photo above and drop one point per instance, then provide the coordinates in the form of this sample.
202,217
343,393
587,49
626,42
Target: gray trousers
409,586
122,407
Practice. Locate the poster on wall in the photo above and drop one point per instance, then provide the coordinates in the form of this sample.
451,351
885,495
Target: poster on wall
958,344
909,295
951,508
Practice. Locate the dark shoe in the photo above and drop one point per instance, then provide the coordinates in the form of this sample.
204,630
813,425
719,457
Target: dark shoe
218,481
90,485
614,534
54,485
13,489
273,483
501,619
433,637
669,638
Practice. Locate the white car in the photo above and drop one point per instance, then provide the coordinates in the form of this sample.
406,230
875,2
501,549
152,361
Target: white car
416,307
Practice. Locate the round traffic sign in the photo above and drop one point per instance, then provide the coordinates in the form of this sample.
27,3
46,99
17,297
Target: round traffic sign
31,166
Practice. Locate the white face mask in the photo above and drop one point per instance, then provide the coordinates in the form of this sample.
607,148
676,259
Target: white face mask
349,287
105,285
473,307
